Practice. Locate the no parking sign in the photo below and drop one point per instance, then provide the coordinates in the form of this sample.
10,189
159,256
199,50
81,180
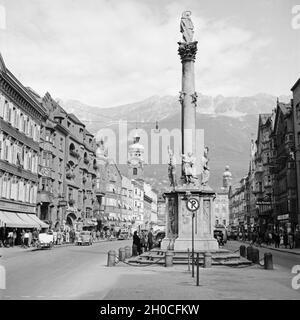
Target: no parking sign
192,204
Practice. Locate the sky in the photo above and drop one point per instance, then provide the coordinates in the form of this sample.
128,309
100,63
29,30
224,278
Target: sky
112,52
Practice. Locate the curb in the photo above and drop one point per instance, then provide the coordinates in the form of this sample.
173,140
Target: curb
55,246
275,249
280,250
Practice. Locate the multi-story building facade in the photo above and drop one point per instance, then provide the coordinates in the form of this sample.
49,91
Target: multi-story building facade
127,202
237,205
161,213
102,162
263,179
138,203
68,170
150,206
284,170
296,116
21,117
251,210
113,197
51,199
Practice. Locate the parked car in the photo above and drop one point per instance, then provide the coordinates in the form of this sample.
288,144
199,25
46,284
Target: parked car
124,235
45,240
84,237
158,238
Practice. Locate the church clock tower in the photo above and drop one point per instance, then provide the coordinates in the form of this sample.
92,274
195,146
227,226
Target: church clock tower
136,159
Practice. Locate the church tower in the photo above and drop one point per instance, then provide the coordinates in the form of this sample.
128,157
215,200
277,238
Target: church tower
227,177
136,159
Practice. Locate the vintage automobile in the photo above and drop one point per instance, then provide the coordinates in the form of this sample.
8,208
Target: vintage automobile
45,240
124,235
84,238
158,238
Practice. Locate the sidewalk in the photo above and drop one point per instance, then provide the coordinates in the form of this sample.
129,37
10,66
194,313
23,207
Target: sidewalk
6,252
292,251
216,283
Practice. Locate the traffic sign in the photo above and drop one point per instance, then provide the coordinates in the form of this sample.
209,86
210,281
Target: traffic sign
192,204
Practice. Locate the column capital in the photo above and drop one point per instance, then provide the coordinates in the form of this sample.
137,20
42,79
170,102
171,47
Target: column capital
187,50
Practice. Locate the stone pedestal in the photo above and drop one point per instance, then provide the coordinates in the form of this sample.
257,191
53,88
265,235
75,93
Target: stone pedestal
179,221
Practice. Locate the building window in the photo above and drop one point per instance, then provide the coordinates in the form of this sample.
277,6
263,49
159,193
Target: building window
61,141
298,111
134,171
70,194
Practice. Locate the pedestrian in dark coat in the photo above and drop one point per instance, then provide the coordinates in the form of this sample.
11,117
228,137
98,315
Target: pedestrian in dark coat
150,239
136,246
285,239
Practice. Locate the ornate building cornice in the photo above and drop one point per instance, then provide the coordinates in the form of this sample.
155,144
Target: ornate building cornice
21,98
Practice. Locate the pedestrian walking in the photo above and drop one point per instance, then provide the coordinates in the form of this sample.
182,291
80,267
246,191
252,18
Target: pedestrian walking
150,239
270,238
55,237
143,242
67,236
297,238
72,235
10,238
29,238
285,239
291,240
2,236
98,235
35,237
59,237
136,245
277,239
14,237
23,238
26,239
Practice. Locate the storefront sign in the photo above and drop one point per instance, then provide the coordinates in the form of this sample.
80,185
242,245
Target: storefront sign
283,217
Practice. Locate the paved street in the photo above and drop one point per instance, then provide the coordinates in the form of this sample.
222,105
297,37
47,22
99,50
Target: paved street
74,272
60,273
282,260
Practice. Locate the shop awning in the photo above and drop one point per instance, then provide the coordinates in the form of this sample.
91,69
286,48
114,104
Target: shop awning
20,220
37,220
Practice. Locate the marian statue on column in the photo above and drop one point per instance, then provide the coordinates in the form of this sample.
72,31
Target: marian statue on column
187,27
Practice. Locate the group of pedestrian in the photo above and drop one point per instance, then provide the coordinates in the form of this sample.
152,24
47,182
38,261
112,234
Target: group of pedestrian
286,239
281,238
142,242
63,236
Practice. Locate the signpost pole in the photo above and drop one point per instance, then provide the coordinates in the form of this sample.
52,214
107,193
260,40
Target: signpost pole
193,262
193,206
